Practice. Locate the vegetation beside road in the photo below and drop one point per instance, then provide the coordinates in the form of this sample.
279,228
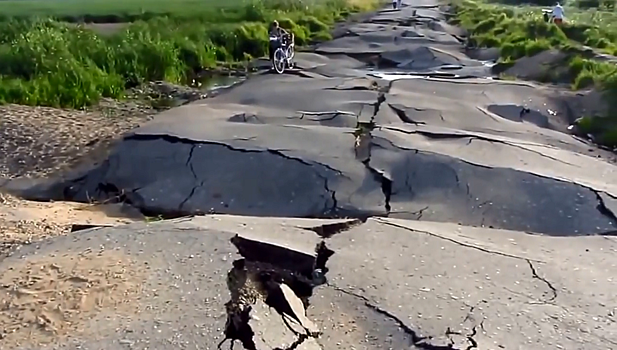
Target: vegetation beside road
49,61
521,31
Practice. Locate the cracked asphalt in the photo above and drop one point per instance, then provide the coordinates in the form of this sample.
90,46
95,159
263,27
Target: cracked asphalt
482,225
448,144
392,284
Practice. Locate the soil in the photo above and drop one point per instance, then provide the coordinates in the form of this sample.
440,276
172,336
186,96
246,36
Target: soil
52,297
23,222
39,141
43,141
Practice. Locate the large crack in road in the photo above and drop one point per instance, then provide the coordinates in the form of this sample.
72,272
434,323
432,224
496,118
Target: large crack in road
280,278
364,144
284,280
315,180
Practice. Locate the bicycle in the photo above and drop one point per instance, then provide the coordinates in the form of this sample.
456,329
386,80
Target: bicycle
547,15
283,54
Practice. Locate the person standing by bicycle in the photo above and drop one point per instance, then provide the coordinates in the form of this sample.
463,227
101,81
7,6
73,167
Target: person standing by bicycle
557,14
276,35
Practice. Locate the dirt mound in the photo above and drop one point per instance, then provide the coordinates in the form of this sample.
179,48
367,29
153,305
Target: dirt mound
41,140
47,298
547,66
552,66
23,222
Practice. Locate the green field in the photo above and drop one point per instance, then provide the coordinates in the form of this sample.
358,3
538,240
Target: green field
48,59
114,11
520,31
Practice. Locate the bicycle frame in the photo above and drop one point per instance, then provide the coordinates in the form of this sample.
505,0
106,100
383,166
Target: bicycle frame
284,45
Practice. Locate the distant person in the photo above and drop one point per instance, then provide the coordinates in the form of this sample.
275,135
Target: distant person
558,14
394,4
399,3
276,35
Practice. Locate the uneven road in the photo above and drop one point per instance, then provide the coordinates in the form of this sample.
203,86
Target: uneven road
448,144
487,226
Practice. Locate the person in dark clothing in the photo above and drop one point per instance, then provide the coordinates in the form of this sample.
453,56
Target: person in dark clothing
276,35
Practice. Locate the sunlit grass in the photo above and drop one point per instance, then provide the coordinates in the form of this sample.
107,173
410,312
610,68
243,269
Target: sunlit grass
54,63
521,31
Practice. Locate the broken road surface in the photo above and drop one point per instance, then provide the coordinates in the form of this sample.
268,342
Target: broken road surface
390,283
444,144
474,222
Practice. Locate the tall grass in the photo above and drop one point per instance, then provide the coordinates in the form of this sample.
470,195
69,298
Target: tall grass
525,33
522,32
52,63
495,25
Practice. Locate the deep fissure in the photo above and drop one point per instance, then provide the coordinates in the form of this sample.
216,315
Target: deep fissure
364,132
386,185
275,276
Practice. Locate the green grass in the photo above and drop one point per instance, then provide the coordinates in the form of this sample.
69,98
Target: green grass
521,31
55,63
117,11
114,9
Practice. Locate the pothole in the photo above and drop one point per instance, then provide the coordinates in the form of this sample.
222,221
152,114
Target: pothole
521,114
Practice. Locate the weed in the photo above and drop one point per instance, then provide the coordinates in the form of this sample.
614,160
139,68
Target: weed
54,63
520,32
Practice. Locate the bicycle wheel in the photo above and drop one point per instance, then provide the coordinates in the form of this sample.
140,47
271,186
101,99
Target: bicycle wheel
290,52
279,61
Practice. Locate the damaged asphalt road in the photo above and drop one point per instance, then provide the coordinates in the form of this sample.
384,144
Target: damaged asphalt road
341,141
456,192
381,165
301,168
368,285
